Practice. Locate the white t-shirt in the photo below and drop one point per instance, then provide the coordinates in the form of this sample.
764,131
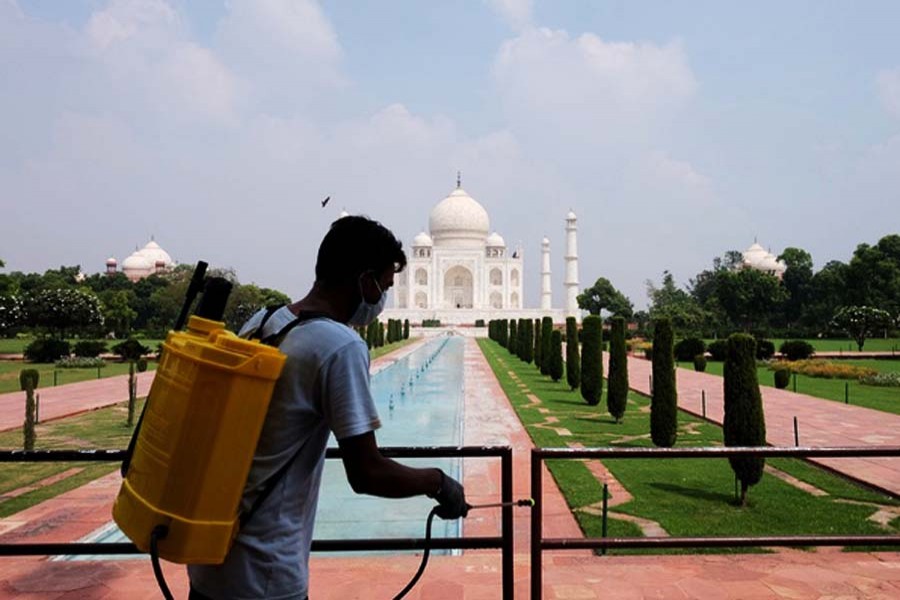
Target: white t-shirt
324,388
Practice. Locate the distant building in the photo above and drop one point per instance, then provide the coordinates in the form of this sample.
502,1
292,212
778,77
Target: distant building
756,257
459,271
149,260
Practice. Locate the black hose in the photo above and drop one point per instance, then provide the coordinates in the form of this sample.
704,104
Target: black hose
159,533
424,563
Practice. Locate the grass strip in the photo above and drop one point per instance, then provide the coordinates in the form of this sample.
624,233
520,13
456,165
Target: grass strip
686,497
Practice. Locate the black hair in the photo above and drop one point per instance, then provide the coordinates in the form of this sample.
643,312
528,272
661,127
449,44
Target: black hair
355,245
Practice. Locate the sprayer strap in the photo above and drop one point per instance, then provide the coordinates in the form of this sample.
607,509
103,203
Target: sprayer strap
275,340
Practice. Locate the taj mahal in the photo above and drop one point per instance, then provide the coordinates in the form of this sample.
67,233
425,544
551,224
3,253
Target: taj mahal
459,271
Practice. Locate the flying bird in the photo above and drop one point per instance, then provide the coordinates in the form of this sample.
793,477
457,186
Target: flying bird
325,201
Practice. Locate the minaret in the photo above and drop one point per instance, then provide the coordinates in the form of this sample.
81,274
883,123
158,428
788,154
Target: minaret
571,265
546,292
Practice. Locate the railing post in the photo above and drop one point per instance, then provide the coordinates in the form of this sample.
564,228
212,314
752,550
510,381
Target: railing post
507,529
536,525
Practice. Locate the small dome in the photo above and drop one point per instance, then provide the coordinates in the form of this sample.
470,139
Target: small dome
571,216
155,255
754,255
545,241
771,263
422,239
343,214
459,218
111,261
495,239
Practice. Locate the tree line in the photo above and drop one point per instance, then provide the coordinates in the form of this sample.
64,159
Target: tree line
63,303
804,303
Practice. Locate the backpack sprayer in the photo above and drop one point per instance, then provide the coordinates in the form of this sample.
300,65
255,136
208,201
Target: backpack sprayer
189,457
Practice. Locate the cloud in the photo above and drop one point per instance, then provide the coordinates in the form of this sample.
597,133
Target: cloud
286,50
888,84
589,85
516,13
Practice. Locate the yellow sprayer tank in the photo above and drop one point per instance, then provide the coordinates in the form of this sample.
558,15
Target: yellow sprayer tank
204,415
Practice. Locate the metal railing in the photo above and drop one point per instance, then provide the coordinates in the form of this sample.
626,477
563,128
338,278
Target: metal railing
504,541
539,544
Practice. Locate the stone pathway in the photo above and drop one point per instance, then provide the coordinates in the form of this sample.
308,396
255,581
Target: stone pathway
72,398
475,575
822,423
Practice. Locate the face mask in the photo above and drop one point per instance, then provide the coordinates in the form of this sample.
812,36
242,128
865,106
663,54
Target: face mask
365,312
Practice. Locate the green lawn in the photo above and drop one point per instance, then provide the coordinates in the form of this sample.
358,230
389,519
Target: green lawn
9,373
104,428
847,346
376,352
886,399
686,497
17,345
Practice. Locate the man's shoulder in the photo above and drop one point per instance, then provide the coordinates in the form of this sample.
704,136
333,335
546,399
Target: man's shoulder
327,336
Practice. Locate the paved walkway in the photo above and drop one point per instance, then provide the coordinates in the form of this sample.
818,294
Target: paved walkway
475,575
820,422
70,399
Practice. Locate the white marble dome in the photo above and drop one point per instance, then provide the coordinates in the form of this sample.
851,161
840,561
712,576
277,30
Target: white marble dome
155,254
459,219
757,257
422,239
496,240
137,262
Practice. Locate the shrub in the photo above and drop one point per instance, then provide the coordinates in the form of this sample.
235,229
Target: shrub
130,349
547,342
664,397
29,378
46,350
573,360
796,349
764,349
744,423
782,378
882,380
479,322
538,346
526,351
405,329
591,360
431,322
141,364
556,362
700,363
80,362
823,369
89,348
617,392
718,350
688,348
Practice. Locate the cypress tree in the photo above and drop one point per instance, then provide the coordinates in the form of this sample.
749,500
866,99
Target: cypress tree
573,361
406,329
512,344
527,350
390,331
591,360
522,341
546,341
617,390
28,381
370,335
556,361
664,399
538,345
745,424
504,332
379,334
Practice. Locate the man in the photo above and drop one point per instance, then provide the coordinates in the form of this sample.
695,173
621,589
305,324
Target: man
324,388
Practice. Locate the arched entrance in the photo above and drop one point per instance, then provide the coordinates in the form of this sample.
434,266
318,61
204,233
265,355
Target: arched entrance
459,288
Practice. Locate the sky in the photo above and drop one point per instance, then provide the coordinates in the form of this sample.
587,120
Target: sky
675,131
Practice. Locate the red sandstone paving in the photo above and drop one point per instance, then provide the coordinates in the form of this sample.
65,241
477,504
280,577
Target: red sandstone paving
72,398
472,576
821,422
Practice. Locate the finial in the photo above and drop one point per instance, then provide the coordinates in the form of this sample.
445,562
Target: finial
458,179
754,240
